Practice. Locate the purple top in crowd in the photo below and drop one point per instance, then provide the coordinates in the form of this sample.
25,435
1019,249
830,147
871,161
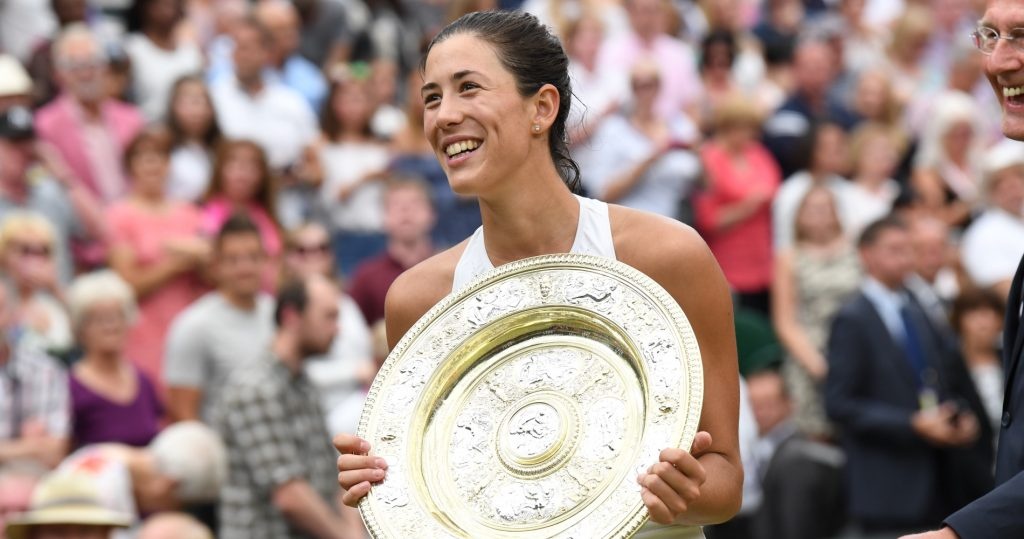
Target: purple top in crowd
97,419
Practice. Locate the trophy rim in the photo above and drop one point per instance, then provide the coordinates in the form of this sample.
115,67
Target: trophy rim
689,350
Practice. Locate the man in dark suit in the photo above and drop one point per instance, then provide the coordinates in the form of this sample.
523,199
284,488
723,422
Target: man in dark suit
998,513
902,400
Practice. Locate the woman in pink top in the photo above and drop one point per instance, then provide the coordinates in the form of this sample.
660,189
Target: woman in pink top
734,210
157,248
242,182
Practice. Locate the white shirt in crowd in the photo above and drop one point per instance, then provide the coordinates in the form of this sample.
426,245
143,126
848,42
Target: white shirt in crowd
992,246
338,374
791,195
344,165
866,207
155,69
277,118
190,173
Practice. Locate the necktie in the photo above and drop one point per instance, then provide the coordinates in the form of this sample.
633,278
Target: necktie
912,345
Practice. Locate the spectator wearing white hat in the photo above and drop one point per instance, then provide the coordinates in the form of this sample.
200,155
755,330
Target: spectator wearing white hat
994,243
66,506
15,84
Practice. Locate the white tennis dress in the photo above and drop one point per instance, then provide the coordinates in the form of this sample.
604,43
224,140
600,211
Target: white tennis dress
593,237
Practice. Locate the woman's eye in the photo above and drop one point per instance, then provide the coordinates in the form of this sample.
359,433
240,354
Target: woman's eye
431,98
468,86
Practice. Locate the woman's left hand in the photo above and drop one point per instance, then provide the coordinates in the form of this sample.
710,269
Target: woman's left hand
670,486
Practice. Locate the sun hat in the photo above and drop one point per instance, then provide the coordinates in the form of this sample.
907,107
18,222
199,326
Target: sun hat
14,80
65,498
1005,154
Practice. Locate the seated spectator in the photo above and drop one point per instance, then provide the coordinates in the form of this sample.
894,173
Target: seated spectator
408,218
947,167
718,53
185,465
825,159
111,399
353,164
66,506
977,318
902,400
222,330
160,53
71,210
874,156
344,373
992,245
27,249
34,407
156,248
173,526
17,481
457,216
195,136
243,183
642,158
282,480
812,280
88,129
281,19
802,479
733,211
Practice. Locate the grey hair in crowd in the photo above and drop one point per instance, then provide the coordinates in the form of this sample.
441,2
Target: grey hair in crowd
72,33
194,455
98,287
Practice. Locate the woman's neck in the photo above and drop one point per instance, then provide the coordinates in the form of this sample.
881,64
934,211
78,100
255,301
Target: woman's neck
103,362
871,182
537,216
162,37
977,351
150,200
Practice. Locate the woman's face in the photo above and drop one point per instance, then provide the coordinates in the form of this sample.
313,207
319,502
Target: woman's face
817,217
163,12
957,140
717,58
475,119
241,175
28,259
981,325
878,158
104,328
353,106
830,151
645,90
586,41
148,169
192,109
310,254
872,95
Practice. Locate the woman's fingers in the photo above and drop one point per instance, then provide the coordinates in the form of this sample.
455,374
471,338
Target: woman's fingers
659,513
352,496
668,496
351,444
348,479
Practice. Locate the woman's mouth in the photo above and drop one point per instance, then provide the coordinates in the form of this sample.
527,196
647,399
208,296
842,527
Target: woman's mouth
460,151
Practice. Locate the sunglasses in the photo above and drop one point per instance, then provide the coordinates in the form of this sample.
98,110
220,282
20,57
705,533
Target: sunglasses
40,250
315,249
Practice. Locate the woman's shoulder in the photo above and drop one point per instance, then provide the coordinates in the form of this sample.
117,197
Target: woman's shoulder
679,250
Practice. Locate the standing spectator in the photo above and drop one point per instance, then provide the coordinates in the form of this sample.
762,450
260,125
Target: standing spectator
66,506
408,218
354,163
88,129
40,64
680,89
825,159
948,165
790,129
457,216
718,53
156,248
343,373
281,20
902,400
243,183
173,526
596,93
326,37
159,52
734,210
195,136
34,408
934,281
27,249
282,478
222,330
111,399
977,319
874,156
908,43
994,243
251,106
642,157
812,280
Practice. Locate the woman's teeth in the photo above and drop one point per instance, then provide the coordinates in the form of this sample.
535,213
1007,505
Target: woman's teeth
461,146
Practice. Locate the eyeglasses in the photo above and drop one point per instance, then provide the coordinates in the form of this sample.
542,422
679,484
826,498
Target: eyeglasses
315,249
986,39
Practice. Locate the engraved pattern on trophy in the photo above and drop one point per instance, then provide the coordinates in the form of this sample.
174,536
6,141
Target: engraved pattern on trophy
548,429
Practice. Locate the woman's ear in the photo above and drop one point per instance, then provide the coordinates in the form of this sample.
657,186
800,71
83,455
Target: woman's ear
545,106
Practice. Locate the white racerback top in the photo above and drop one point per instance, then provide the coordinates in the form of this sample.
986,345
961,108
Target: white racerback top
594,237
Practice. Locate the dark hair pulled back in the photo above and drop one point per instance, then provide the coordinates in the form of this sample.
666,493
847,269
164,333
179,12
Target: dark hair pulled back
535,57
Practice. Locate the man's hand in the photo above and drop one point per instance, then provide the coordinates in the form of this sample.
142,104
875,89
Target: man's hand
672,484
943,428
944,533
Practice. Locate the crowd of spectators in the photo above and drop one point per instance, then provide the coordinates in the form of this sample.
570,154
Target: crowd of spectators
170,169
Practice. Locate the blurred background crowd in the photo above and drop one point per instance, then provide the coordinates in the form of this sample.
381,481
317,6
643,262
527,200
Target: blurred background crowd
166,164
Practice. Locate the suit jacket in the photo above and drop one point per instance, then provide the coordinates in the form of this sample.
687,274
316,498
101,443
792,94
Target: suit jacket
871,392
58,124
998,513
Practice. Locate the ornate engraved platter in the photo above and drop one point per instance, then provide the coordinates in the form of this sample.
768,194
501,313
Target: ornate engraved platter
526,404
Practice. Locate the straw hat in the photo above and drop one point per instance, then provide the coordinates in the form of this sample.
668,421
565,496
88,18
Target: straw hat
65,498
14,80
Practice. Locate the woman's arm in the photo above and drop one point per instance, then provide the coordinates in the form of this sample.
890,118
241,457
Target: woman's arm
620,185
784,319
147,279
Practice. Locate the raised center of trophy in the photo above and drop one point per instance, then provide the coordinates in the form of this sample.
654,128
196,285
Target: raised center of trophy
533,432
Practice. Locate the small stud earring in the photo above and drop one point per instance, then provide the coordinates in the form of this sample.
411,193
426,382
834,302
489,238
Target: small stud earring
536,128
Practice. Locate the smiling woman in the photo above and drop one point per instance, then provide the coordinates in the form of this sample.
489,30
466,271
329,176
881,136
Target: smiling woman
496,94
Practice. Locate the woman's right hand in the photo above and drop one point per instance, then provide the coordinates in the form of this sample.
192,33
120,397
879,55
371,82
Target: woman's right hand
356,469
